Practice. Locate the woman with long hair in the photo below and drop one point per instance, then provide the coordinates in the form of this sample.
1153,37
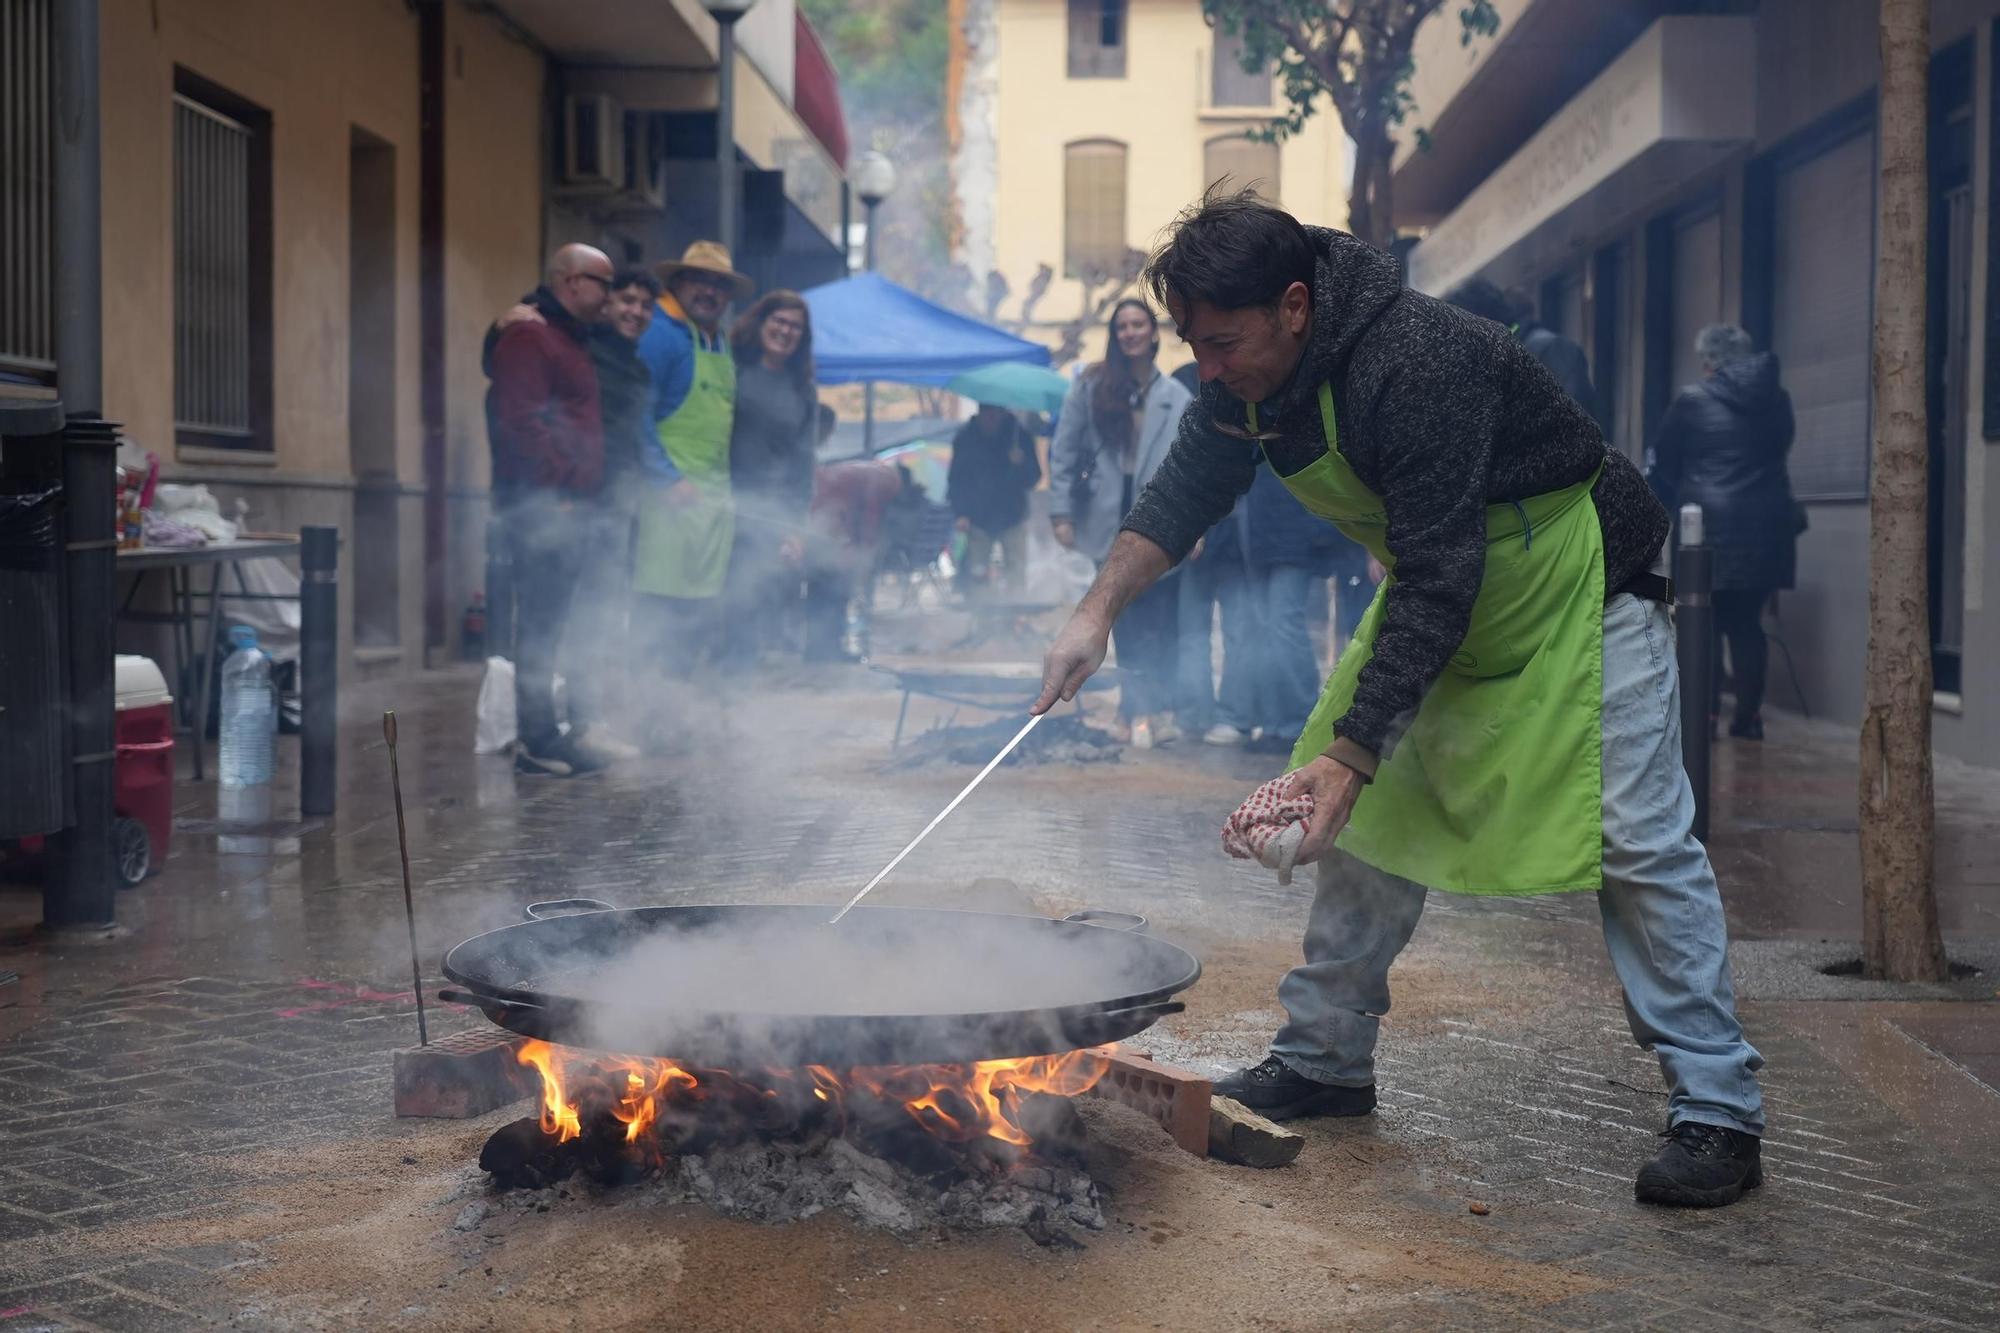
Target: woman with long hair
771,448
1117,424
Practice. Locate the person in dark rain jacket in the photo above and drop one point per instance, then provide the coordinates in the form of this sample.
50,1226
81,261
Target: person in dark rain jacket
1722,445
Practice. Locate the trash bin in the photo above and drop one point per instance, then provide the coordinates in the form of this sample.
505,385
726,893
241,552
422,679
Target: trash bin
143,782
34,780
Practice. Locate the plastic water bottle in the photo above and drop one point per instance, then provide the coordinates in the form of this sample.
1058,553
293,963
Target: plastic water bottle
249,722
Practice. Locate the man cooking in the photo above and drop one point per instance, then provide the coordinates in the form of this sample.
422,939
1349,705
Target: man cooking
688,523
1507,721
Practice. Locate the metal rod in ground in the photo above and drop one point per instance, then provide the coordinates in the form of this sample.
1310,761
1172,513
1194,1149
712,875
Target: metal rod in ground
1694,634
409,902
319,639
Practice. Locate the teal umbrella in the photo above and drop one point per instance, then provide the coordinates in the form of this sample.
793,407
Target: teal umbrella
1012,384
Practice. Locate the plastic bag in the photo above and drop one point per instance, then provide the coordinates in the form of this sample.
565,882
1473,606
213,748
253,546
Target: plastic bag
495,732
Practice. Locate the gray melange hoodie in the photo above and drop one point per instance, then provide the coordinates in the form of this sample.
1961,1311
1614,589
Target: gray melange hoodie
1440,413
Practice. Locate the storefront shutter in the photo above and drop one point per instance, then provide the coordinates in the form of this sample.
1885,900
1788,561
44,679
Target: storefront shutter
1697,289
1822,285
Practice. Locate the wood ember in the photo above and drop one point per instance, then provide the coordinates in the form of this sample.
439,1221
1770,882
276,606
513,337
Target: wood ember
884,1172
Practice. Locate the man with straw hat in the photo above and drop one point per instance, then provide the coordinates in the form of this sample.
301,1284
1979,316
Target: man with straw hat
686,522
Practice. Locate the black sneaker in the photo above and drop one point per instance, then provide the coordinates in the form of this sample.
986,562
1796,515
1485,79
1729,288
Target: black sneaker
1275,1090
1748,728
554,759
1701,1166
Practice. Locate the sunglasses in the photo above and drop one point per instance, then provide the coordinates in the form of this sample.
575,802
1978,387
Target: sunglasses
600,280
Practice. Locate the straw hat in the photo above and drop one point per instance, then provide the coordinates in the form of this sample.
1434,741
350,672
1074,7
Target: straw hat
705,257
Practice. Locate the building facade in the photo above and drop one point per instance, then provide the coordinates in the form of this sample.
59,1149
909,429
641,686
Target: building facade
1643,168
312,212
1084,126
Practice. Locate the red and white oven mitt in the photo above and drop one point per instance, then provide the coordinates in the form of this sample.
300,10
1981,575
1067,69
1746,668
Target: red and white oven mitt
1269,827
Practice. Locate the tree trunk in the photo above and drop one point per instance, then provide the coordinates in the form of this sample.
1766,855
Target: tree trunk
1899,926
1370,213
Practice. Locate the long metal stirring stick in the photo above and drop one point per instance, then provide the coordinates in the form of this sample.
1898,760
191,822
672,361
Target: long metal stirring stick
991,764
409,903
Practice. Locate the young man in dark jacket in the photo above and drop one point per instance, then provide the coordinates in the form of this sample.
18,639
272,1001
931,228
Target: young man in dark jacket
993,467
1561,356
1508,723
547,429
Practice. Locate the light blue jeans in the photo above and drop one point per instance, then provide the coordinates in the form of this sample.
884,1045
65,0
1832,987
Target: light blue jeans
1663,921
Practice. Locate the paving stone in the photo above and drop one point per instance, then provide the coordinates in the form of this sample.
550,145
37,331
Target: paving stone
125,1314
161,1278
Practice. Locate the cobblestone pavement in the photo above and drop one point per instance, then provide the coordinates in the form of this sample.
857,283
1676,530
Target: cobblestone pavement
252,994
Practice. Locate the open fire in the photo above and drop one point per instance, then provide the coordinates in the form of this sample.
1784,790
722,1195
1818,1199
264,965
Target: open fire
659,1103
911,1148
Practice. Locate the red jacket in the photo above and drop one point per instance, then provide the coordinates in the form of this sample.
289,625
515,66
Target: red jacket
850,498
543,409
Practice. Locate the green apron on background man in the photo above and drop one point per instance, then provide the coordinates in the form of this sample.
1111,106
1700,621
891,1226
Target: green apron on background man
682,550
1496,785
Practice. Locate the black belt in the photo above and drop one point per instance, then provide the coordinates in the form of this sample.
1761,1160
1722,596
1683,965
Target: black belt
1653,587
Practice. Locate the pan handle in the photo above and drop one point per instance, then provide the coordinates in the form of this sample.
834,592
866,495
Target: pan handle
1093,916
566,907
483,1002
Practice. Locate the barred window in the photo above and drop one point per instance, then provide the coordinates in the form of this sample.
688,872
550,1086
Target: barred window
222,324
1247,163
1097,39
1093,207
27,259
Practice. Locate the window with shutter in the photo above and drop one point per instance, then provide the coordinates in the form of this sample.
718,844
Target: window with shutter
1229,84
1093,207
222,289
1823,219
27,260
1097,39
1697,294
1247,163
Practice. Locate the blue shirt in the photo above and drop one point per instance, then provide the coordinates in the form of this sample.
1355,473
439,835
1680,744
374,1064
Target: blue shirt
667,347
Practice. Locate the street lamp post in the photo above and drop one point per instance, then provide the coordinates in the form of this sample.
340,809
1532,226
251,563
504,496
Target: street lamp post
726,13
874,178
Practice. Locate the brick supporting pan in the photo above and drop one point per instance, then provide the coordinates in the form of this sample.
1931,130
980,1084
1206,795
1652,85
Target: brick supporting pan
461,1076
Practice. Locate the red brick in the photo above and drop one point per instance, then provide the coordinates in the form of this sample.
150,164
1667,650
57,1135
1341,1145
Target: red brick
1175,1098
461,1076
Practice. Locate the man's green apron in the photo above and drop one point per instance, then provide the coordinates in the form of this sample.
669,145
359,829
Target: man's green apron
682,550
1496,786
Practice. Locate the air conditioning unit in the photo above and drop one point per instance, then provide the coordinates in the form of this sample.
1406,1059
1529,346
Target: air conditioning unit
643,182
593,143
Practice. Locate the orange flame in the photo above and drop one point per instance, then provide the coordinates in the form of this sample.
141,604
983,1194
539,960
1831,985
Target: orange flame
957,1103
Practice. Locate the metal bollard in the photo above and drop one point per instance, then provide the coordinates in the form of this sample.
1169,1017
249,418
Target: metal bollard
1694,636
319,645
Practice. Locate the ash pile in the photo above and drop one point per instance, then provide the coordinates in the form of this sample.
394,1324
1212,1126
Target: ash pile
1058,740
912,1150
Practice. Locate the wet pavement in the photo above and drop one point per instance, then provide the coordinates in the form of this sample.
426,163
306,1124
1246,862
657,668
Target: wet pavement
251,993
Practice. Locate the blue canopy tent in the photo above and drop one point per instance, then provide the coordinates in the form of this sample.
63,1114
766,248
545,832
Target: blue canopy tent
868,328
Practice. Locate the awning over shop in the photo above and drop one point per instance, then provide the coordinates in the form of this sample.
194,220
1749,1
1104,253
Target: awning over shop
1679,100
868,328
816,92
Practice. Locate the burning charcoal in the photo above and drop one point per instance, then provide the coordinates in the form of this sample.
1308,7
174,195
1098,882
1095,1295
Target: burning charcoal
1048,1233
1053,1123
521,1156
907,1145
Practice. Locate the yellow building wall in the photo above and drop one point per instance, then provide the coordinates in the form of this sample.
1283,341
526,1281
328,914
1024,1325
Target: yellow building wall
492,212
1158,110
318,69
321,68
